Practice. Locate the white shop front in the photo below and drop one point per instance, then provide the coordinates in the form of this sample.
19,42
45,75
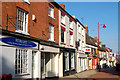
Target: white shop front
20,57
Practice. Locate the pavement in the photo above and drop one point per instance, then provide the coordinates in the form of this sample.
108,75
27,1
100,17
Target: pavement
84,74
104,74
110,73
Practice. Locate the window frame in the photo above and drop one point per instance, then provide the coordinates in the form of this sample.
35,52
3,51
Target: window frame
51,32
66,55
51,11
71,39
62,18
70,24
24,23
62,37
22,62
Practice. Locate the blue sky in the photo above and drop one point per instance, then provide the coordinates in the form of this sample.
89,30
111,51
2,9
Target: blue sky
94,12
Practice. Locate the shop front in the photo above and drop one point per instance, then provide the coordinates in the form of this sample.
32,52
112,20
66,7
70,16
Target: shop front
67,62
20,57
82,62
49,61
89,63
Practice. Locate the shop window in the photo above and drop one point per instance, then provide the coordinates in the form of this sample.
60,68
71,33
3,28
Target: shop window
22,21
51,32
72,61
51,11
66,61
21,61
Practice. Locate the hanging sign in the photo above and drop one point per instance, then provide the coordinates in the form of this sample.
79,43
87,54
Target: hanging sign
18,42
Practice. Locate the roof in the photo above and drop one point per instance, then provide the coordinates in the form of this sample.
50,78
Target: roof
90,40
103,49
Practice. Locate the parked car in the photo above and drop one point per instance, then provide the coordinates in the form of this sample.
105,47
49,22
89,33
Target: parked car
117,66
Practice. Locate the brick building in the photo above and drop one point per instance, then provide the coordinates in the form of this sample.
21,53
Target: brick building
30,30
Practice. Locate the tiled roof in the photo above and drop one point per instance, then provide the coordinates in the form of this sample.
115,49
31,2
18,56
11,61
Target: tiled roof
90,40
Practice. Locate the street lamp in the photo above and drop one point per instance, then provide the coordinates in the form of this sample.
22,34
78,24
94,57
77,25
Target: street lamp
98,42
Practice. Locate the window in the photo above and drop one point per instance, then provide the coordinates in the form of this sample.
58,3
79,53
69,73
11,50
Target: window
51,32
51,11
79,29
80,61
71,39
22,20
62,35
70,23
62,18
21,62
95,51
66,61
72,61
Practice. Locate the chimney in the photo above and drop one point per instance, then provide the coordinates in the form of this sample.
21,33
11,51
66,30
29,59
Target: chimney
62,5
103,45
86,27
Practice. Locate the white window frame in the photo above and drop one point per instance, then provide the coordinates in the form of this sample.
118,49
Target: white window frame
21,61
20,22
51,32
63,19
66,61
51,11
71,24
71,40
79,29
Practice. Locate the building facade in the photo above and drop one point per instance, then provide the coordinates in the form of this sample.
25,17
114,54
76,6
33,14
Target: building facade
81,57
67,36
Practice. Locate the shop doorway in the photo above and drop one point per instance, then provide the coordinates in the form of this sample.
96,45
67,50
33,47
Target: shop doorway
48,64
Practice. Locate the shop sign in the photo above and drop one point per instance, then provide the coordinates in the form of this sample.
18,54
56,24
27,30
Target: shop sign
87,49
18,42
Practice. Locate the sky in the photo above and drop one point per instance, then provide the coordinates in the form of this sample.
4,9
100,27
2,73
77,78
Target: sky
90,13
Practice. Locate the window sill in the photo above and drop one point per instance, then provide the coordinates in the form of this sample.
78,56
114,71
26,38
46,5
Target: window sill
51,17
63,43
22,74
19,31
51,40
63,24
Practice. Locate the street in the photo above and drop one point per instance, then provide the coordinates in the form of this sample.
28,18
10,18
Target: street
105,74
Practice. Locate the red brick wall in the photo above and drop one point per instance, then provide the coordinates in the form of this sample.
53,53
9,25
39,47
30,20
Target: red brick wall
10,8
38,29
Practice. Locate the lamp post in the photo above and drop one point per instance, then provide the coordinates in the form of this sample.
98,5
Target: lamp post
98,42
